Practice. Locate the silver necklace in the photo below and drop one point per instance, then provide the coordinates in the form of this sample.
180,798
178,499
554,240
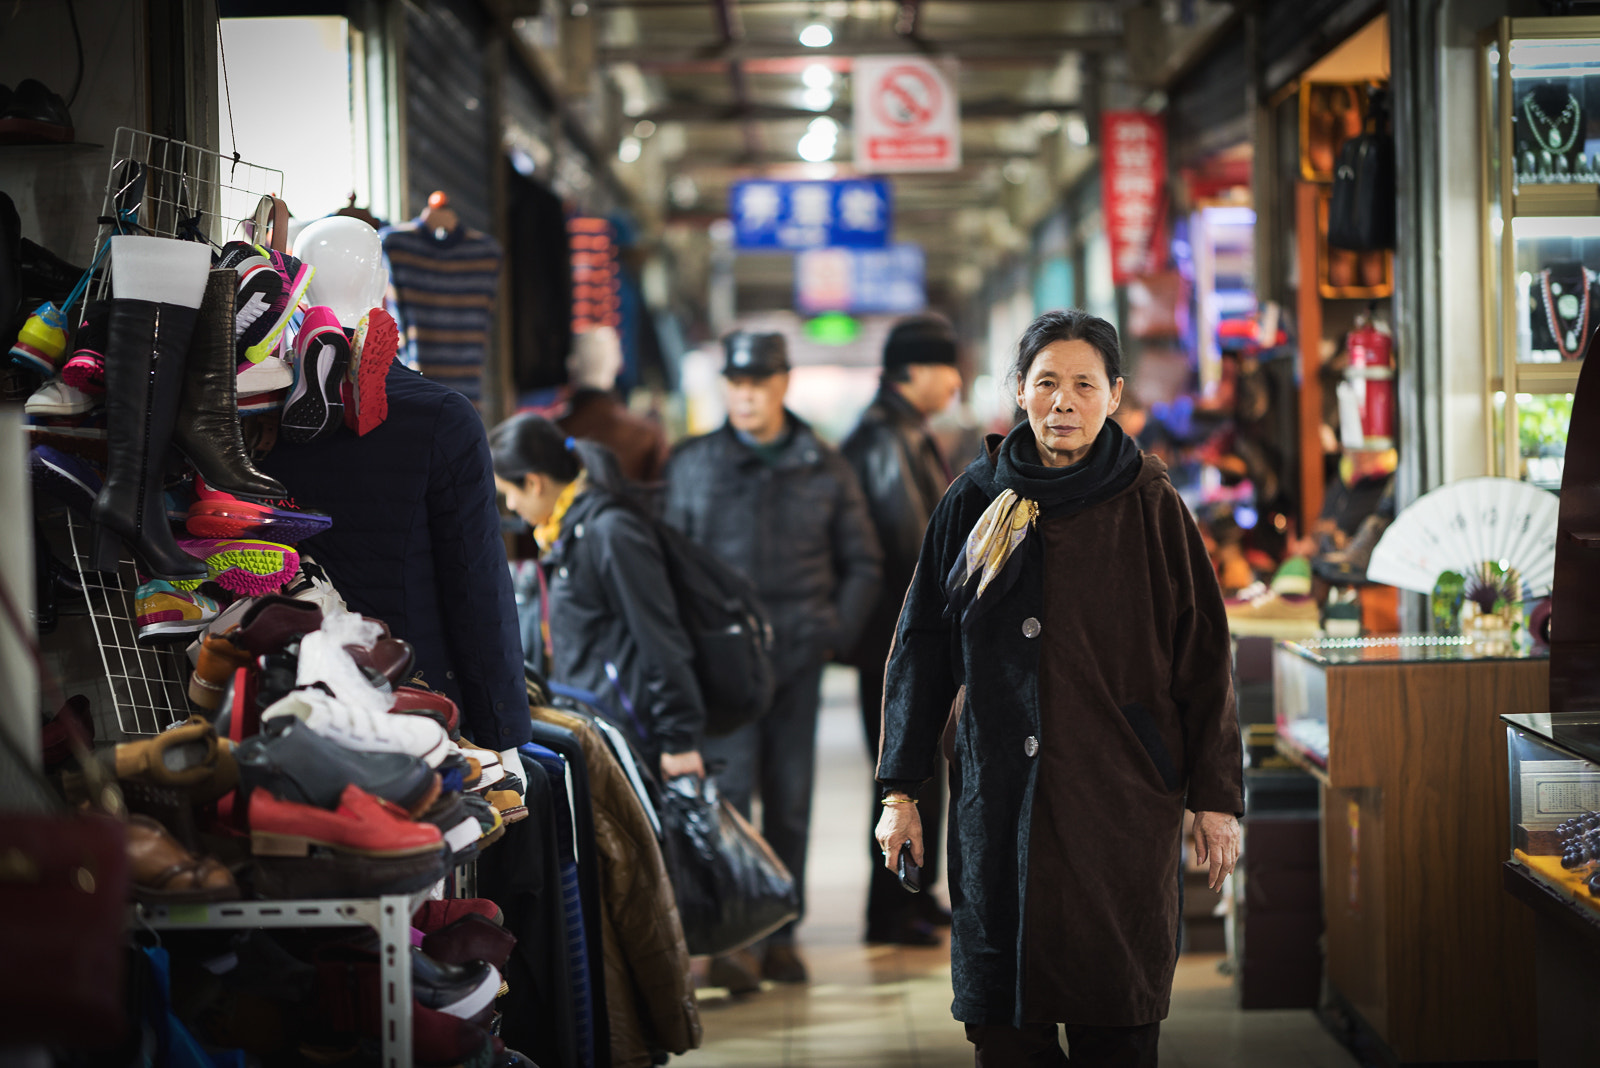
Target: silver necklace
1549,138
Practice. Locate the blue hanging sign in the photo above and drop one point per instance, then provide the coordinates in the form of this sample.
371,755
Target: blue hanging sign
852,213
887,281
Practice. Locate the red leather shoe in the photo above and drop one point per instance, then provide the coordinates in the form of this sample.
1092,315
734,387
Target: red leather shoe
389,657
472,937
434,915
362,824
414,701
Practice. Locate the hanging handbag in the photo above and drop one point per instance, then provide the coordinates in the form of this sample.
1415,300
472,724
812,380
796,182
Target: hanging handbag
731,887
1362,208
64,881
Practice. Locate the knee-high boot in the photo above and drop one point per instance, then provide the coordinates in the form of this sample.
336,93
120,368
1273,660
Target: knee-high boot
208,430
145,346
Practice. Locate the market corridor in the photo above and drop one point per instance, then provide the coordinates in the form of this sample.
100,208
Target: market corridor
889,1007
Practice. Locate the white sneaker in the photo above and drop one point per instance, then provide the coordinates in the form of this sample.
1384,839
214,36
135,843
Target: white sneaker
270,374
363,731
55,397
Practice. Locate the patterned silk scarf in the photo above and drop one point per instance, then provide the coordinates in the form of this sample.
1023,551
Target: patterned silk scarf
1000,530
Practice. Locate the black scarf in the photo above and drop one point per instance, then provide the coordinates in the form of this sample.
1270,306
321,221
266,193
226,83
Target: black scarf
1111,466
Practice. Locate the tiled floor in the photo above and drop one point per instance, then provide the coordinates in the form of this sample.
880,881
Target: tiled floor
880,1007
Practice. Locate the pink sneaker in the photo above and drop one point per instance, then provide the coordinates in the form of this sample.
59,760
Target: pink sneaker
314,408
216,514
371,354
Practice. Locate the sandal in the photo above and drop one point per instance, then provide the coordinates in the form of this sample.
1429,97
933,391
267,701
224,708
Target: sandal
164,872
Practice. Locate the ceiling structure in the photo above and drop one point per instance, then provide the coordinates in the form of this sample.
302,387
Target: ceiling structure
712,91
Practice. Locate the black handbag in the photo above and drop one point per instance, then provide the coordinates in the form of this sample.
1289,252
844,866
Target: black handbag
1361,212
731,887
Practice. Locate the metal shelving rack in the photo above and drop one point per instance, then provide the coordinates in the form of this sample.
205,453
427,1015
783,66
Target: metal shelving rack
389,916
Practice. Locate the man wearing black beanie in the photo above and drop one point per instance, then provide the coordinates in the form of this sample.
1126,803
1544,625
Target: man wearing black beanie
901,469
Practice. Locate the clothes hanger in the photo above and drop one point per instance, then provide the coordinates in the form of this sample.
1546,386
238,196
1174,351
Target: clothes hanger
363,214
439,217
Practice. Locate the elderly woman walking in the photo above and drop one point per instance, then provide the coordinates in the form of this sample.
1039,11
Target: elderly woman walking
1064,610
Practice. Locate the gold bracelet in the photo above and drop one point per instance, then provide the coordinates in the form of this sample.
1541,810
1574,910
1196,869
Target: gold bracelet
898,801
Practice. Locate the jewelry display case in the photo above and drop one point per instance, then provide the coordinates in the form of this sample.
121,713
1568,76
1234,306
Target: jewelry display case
1541,234
1555,802
1404,737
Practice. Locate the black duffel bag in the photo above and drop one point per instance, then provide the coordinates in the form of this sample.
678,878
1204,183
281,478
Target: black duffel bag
731,887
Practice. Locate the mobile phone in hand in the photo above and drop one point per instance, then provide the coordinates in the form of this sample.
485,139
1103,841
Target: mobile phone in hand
910,873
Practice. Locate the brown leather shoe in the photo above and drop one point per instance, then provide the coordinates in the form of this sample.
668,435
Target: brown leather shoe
468,939
219,659
189,756
739,972
389,657
509,802
164,872
782,964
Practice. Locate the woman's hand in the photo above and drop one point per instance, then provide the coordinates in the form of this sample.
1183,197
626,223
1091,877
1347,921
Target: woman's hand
899,824
689,763
1216,842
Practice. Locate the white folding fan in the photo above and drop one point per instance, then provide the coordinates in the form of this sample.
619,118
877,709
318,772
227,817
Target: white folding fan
1466,524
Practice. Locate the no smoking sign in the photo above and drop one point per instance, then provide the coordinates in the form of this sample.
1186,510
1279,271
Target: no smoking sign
907,116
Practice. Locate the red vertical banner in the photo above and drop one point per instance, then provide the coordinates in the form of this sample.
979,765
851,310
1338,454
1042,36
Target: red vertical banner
596,290
1133,174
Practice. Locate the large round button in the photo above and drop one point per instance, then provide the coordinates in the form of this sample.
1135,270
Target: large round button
1031,629
1030,745
561,572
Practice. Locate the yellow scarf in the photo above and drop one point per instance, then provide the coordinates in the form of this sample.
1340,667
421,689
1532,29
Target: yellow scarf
549,531
993,541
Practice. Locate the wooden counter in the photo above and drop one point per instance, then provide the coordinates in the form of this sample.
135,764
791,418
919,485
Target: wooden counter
1422,941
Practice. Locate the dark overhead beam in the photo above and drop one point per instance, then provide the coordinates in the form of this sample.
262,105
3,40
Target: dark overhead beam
1049,47
693,111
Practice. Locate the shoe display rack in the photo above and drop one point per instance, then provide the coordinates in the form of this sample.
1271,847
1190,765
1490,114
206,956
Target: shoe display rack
146,683
390,916
178,190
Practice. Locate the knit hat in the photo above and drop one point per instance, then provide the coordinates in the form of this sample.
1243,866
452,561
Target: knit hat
755,355
920,339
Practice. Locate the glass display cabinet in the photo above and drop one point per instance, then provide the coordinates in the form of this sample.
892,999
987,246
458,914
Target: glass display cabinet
1541,234
1405,740
1555,802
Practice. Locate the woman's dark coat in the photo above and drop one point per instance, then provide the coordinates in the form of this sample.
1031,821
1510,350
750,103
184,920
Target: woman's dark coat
612,603
1075,750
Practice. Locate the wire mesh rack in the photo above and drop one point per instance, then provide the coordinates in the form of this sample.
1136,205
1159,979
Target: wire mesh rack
147,683
157,186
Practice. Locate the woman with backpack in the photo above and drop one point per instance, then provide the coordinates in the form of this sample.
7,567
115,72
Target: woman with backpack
614,629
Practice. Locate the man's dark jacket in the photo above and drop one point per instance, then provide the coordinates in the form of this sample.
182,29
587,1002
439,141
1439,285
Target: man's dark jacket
903,476
416,543
798,528
612,603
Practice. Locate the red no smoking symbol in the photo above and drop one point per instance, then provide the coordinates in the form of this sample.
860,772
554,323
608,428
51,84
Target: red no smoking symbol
907,97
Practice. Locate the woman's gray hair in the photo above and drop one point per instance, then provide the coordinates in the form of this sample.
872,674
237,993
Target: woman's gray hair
1069,324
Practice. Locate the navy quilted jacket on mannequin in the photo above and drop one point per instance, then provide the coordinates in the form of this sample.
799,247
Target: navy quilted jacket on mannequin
416,543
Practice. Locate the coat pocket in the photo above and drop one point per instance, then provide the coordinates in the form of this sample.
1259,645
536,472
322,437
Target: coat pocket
1143,725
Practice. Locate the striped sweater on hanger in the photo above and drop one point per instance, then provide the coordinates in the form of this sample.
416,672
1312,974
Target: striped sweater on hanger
442,293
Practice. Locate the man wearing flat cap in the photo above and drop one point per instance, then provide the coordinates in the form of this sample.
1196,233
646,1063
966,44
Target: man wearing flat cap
772,499
903,476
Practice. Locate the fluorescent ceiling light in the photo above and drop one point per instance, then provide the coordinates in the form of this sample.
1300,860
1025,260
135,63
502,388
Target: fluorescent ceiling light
629,149
816,148
822,126
816,35
817,76
817,100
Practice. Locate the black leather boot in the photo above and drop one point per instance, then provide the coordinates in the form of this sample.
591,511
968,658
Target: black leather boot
145,347
208,428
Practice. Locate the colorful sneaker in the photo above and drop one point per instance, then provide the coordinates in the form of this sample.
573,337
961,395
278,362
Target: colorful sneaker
372,351
216,514
260,288
246,566
295,277
41,341
56,399
270,375
322,352
164,612
70,479
257,403
85,370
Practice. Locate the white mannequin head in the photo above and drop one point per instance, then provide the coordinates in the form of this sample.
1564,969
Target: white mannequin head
596,359
348,257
